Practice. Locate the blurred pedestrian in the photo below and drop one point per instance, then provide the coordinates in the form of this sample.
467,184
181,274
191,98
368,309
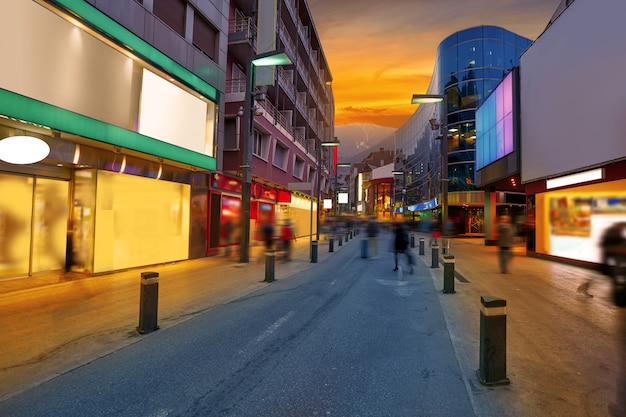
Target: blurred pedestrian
435,230
613,246
268,235
505,242
400,245
286,236
372,231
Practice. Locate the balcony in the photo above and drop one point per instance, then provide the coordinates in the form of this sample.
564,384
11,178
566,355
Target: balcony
242,38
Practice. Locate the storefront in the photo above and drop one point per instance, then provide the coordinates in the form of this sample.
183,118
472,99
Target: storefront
571,216
121,186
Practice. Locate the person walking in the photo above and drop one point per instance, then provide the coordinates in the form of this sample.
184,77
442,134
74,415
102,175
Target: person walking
372,234
400,245
613,246
268,235
505,242
287,236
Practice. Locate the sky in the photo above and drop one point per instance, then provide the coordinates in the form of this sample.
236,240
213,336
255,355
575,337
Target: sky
380,52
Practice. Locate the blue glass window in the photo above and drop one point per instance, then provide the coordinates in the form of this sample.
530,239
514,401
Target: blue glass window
493,53
470,55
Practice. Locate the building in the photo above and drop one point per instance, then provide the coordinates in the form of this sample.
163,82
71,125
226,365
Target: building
573,153
469,64
127,98
294,114
377,185
136,105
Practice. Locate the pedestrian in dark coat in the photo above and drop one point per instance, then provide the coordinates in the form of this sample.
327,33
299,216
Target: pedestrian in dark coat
400,245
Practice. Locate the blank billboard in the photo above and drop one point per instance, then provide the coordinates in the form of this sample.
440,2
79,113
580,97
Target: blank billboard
573,102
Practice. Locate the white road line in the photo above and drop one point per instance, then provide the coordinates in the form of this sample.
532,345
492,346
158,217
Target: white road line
270,330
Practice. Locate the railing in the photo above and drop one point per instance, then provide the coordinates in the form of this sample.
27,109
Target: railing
242,24
236,85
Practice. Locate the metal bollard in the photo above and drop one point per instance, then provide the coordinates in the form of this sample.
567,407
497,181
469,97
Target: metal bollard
421,252
340,237
148,302
412,240
314,251
364,248
270,265
435,256
492,369
347,236
448,274
331,245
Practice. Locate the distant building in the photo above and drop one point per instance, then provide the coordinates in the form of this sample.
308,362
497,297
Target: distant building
470,63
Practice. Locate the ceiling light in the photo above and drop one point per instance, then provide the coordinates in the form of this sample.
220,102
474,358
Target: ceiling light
23,150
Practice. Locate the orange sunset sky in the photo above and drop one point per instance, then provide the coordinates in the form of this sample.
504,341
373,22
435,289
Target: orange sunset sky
381,52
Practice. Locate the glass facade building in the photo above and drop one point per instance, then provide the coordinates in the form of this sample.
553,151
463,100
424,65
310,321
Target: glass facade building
470,64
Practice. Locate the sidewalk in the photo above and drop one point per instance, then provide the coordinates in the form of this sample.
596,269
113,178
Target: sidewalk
36,343
565,350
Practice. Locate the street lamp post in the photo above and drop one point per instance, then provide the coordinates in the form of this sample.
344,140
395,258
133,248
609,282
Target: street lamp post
443,99
267,59
335,192
401,172
328,144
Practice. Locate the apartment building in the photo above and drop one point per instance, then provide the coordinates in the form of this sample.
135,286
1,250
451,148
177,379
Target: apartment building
293,113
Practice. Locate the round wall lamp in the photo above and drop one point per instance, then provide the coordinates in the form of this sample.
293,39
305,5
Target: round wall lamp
23,150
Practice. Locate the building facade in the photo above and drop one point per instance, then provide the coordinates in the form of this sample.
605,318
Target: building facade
137,103
126,96
293,114
573,153
470,63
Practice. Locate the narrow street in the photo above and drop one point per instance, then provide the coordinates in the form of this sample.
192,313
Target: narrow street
348,337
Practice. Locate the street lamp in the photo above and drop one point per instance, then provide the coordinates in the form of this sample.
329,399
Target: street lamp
443,99
399,172
266,59
335,197
328,144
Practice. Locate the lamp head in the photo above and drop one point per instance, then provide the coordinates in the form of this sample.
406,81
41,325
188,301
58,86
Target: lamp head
426,98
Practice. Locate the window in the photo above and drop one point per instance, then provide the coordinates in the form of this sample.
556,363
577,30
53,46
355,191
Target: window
281,154
204,35
298,168
172,13
230,134
260,145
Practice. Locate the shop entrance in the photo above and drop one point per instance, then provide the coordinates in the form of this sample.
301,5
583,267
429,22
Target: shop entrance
33,225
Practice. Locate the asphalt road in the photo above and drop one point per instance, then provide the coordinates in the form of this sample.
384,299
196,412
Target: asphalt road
347,337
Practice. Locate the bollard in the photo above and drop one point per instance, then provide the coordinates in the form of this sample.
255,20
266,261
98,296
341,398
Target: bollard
340,237
448,274
412,240
435,256
270,265
148,302
421,246
492,369
314,251
331,245
363,248
347,236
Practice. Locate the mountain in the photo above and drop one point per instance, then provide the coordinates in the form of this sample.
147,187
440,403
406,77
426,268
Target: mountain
358,140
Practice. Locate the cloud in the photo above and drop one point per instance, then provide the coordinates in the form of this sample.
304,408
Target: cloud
380,53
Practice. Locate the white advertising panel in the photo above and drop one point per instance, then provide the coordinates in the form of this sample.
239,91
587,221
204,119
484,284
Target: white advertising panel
169,113
572,99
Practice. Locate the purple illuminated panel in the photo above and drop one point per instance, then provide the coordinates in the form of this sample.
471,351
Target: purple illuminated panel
494,124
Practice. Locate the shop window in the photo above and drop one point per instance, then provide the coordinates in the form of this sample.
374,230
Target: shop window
204,36
172,13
